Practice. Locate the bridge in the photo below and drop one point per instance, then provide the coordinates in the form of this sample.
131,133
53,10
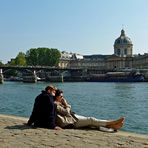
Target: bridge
52,70
36,68
48,68
49,73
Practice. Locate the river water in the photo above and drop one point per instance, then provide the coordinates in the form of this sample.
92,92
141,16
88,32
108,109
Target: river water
100,100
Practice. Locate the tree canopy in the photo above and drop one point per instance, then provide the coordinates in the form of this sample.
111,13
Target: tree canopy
36,57
20,60
1,64
43,56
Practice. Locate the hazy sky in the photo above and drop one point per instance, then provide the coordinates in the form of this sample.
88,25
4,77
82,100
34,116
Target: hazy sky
81,26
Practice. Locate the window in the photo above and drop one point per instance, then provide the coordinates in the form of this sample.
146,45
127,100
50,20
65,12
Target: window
125,41
118,51
125,51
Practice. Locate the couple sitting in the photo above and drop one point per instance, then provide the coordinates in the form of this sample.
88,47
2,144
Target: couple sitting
51,110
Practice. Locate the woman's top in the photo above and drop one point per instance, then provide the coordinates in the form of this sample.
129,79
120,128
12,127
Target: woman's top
64,117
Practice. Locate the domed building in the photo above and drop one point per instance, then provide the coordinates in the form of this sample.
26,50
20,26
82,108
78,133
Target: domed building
123,46
122,58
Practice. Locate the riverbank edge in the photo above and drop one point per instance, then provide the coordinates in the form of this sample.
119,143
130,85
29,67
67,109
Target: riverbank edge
15,134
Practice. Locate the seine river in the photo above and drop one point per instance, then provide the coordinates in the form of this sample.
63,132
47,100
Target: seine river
100,100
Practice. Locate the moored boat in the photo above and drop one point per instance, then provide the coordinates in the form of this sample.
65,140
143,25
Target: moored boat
30,79
116,77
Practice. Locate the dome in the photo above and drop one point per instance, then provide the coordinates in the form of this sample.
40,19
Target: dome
123,39
123,46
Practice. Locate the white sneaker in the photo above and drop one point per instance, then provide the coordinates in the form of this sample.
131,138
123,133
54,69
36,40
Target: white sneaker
104,129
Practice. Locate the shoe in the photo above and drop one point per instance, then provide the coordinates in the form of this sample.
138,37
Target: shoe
104,129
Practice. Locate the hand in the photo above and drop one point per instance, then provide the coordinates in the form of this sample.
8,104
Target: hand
64,102
26,124
57,128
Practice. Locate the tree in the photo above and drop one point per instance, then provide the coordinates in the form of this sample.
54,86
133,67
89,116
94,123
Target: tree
54,57
43,57
32,57
11,63
20,59
1,64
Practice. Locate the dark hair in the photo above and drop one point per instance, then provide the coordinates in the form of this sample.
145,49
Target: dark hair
58,92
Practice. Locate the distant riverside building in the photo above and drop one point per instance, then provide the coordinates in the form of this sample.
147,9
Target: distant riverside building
140,61
121,58
123,46
66,58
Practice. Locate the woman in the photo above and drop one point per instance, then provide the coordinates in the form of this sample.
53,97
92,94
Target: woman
65,118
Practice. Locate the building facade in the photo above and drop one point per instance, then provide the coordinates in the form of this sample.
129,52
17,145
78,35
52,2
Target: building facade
121,58
123,46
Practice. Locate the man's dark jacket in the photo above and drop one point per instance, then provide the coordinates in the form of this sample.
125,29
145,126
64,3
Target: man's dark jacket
44,111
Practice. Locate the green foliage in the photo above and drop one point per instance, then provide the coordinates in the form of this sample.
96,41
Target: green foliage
1,64
20,59
11,63
37,57
32,57
54,57
43,57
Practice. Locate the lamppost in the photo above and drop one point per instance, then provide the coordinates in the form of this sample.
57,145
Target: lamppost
1,76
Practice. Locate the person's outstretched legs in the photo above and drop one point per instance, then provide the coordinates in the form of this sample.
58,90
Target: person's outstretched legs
93,122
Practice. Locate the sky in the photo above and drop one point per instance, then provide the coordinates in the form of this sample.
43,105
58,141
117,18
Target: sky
80,26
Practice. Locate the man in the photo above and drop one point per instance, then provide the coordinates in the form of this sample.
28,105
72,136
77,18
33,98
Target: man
44,110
